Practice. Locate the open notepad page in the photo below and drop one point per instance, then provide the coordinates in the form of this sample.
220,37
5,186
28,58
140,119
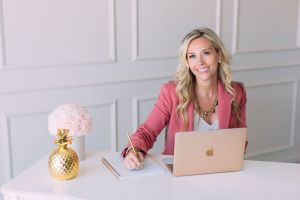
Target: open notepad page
116,166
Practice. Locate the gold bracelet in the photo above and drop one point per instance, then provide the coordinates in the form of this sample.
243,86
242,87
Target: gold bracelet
131,148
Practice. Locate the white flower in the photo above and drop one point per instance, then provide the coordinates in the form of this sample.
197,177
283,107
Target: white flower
72,117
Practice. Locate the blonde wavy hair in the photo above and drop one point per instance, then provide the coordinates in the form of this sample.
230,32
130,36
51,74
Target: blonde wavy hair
186,81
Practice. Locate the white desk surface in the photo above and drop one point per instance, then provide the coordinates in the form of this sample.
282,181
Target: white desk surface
258,180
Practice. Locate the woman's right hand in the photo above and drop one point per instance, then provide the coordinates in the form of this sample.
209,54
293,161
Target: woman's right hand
132,161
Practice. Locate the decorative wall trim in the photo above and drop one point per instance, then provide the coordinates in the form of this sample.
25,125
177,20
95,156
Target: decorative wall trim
235,27
293,158
113,120
268,151
266,66
6,145
235,50
291,144
158,146
218,16
2,39
160,76
136,108
112,45
298,26
135,34
134,31
113,125
7,134
112,30
261,50
5,124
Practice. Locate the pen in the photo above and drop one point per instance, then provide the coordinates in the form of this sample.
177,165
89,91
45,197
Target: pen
134,151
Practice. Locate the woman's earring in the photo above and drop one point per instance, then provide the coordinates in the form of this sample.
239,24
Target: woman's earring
219,61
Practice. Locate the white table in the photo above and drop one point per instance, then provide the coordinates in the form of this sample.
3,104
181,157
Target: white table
258,180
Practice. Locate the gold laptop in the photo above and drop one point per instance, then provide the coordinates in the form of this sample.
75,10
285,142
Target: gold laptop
209,151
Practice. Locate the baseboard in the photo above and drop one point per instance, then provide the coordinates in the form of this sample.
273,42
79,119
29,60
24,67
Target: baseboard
295,158
292,159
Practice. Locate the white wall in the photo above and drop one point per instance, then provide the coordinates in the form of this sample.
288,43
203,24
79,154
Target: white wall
111,56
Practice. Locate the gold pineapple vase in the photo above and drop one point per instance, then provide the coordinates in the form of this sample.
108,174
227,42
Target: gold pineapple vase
63,162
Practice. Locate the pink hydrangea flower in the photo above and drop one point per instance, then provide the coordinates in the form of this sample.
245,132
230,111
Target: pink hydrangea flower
72,117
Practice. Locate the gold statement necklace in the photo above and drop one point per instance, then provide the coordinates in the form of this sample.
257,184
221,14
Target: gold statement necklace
204,113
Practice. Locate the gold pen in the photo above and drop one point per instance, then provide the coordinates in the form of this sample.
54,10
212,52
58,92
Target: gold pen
134,151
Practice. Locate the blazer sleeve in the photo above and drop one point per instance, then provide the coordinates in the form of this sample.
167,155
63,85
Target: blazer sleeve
159,117
242,104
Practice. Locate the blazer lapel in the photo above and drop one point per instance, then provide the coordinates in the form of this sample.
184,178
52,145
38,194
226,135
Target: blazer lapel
224,109
191,116
224,106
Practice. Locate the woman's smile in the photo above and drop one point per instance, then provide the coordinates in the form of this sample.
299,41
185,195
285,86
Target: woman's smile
203,59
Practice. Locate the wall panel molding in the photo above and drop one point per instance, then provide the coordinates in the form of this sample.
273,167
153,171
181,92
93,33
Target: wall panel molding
7,145
159,145
134,29
112,30
235,27
235,36
112,45
298,26
266,66
292,133
293,158
2,39
218,16
113,125
136,100
135,78
112,104
135,33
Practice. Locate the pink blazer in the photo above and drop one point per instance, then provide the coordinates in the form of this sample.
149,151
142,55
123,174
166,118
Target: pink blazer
164,115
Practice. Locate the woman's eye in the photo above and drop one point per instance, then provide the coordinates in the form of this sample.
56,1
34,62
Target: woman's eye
206,53
191,56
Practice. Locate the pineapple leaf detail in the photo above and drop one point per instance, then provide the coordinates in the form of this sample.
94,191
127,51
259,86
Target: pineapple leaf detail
63,138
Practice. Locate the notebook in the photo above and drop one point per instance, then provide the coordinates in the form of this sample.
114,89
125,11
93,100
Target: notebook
208,151
115,165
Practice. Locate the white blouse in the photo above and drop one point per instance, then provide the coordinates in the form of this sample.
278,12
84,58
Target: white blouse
201,125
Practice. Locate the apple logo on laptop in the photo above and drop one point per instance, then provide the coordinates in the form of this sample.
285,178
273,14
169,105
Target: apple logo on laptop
210,152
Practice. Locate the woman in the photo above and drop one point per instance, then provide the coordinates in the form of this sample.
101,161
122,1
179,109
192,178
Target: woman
202,97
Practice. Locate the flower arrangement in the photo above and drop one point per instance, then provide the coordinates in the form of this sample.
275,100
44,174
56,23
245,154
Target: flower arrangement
72,117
